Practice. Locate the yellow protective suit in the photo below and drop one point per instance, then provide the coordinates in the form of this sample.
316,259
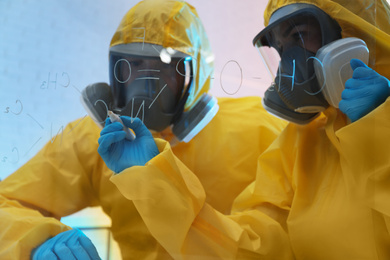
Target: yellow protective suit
322,191
68,174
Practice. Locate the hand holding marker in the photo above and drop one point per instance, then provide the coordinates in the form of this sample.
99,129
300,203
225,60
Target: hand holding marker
119,154
115,118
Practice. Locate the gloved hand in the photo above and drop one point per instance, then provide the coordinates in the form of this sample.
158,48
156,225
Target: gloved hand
68,245
119,153
365,91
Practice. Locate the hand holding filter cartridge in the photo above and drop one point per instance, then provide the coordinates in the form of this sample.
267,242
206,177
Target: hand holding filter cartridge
365,91
114,118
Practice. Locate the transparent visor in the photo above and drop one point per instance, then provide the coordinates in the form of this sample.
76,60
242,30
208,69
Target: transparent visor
158,81
295,39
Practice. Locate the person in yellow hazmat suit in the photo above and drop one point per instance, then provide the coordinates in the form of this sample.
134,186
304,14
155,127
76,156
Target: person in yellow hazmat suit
160,63
321,189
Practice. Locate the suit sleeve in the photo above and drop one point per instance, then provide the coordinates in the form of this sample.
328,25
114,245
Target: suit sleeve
171,201
365,151
53,184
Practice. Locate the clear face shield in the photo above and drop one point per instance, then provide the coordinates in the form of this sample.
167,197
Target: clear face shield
149,82
295,87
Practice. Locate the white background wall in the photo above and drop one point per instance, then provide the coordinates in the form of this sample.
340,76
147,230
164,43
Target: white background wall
46,44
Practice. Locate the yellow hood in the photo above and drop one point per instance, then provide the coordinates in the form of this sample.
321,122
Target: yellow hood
368,20
174,24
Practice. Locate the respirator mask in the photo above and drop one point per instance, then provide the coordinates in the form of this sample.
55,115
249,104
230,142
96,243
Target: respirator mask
313,62
152,83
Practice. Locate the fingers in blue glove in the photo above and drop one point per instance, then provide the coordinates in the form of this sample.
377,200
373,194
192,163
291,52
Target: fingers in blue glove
118,153
108,121
356,63
354,93
111,133
78,246
113,127
72,244
107,140
44,254
361,71
88,246
136,125
365,91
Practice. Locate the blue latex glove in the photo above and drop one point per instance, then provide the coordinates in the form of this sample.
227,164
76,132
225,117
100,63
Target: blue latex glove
365,91
68,245
119,153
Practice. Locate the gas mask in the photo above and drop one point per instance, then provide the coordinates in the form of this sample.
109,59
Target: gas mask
314,61
153,84
149,88
296,81
318,79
